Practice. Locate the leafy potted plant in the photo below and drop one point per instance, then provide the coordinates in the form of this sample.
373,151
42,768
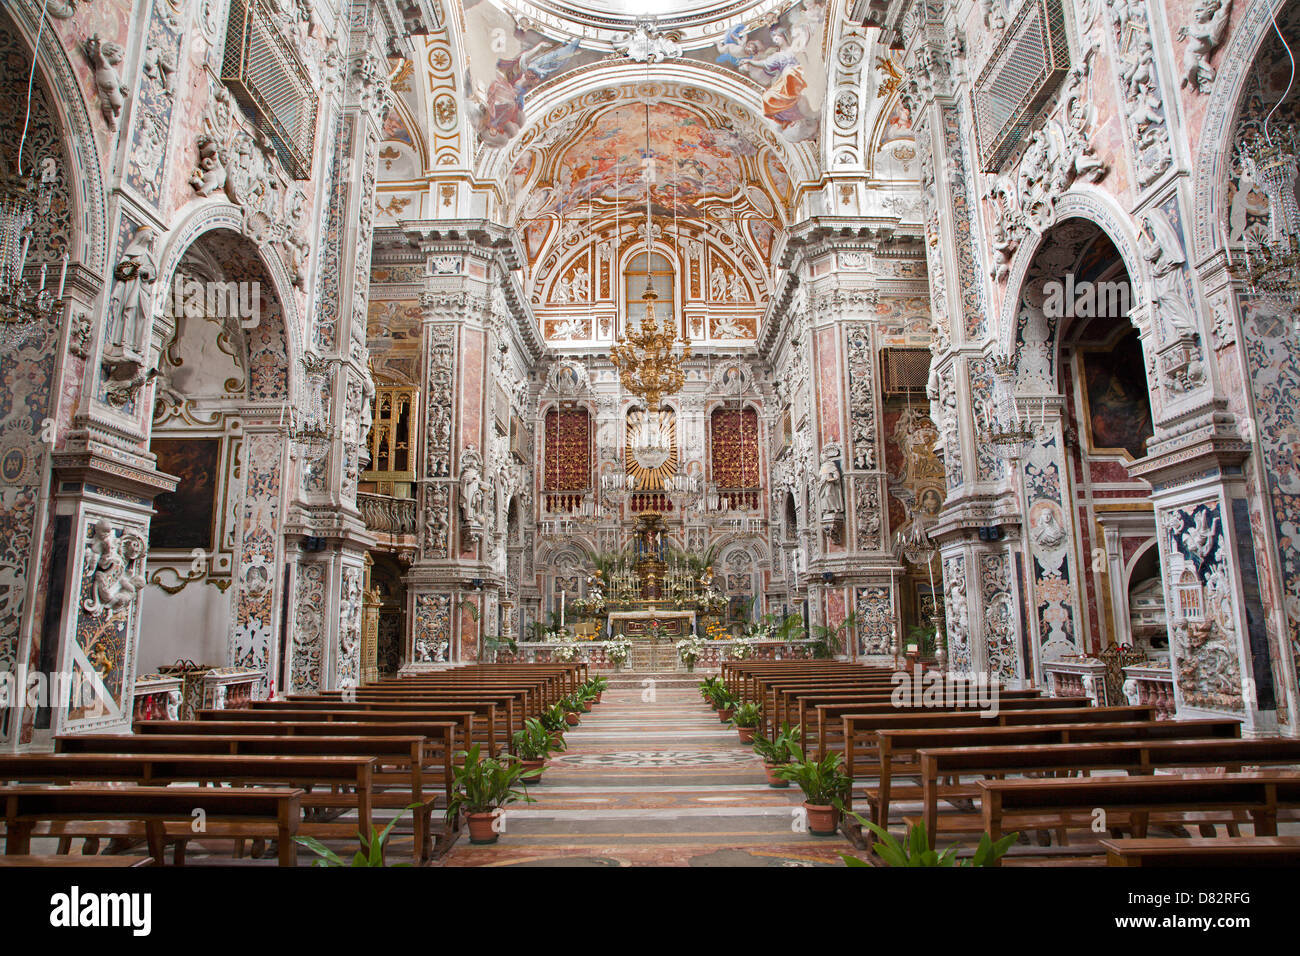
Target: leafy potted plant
745,720
572,705
914,849
482,786
831,640
598,685
370,854
533,745
777,752
824,784
553,719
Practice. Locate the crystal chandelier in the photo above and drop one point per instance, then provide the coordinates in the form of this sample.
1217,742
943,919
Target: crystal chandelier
1272,262
24,311
311,433
1271,271
1008,432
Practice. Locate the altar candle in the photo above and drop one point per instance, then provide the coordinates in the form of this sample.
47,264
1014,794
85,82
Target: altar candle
63,275
561,608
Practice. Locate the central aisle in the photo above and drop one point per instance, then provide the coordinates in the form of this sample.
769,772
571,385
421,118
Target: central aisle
651,777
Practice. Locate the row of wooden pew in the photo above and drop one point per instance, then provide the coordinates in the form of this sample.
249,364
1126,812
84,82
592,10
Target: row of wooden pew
280,769
1051,765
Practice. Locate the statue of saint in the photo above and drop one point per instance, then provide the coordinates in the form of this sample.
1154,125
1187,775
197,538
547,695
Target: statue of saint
130,307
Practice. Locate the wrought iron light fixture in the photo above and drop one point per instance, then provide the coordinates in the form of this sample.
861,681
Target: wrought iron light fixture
1009,432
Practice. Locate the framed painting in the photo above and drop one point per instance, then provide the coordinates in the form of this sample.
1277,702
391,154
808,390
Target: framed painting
185,517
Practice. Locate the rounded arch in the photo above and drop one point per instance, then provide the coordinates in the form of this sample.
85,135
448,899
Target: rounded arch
1095,207
85,178
206,216
1210,180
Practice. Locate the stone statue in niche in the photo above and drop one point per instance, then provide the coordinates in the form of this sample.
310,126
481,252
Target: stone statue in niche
117,565
473,489
830,491
130,307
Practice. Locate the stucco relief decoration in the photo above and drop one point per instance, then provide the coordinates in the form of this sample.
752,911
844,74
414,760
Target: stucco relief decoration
1179,356
348,664
1139,81
862,397
1050,546
830,491
1203,616
1056,156
1000,646
957,614
310,602
112,576
439,412
105,57
474,492
432,628
875,614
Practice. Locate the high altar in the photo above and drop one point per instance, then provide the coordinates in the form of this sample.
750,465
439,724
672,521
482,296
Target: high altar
652,598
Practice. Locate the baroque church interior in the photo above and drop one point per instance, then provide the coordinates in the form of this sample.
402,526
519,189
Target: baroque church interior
402,396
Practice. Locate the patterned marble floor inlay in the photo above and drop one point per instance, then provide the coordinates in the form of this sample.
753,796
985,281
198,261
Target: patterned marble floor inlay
654,783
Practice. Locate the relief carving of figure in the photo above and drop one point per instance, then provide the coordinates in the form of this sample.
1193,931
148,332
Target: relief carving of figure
473,489
115,565
1204,35
105,57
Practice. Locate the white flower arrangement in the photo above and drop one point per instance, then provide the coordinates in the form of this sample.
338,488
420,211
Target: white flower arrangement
618,651
741,649
566,652
688,649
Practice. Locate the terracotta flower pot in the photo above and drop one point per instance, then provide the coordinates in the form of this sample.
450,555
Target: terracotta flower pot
480,828
822,820
772,779
571,719
599,696
724,715
557,739
586,706
746,734
530,765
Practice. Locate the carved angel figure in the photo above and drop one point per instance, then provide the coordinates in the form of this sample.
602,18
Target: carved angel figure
210,176
1204,35
104,57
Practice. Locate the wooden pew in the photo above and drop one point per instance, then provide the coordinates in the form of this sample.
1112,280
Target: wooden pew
409,769
485,728
827,714
1063,803
247,813
1175,851
861,748
1141,754
899,750
301,772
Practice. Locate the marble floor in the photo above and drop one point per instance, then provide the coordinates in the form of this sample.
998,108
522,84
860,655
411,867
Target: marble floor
651,777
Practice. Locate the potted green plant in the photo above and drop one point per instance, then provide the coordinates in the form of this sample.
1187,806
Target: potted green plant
914,849
553,720
598,685
832,640
824,784
370,854
533,745
572,705
777,752
482,786
745,720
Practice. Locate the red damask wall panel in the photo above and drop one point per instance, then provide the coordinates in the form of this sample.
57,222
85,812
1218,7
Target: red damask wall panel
568,450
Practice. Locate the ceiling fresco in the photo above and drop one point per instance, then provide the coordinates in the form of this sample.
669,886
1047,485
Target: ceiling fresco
510,55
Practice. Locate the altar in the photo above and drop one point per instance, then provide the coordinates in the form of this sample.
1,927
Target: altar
634,625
